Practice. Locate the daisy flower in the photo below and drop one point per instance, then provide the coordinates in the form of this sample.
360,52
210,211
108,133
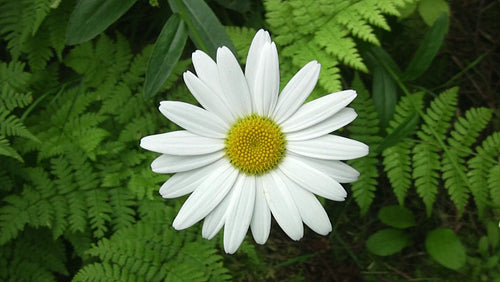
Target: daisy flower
250,153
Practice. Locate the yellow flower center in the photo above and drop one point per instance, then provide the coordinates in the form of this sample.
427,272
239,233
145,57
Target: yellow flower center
255,144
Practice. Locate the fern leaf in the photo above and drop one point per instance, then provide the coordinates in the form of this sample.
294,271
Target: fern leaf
13,218
99,211
397,164
351,20
7,150
365,128
103,272
494,184
426,155
242,38
13,75
344,47
9,99
482,168
122,203
11,125
438,115
42,9
461,138
425,173
397,159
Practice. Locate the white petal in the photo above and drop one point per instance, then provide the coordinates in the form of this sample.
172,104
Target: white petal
318,110
260,39
206,70
264,85
338,120
206,197
233,82
239,213
209,99
311,211
329,147
261,218
282,205
183,183
171,163
181,143
312,179
296,91
194,119
337,170
216,219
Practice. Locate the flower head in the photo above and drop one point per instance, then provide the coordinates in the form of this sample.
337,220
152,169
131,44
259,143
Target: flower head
250,153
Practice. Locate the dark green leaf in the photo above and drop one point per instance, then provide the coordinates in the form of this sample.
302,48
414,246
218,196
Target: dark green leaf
205,30
384,88
430,10
91,17
166,53
445,247
384,94
387,242
427,50
396,216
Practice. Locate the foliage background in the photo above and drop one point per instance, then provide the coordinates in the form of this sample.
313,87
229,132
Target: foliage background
80,84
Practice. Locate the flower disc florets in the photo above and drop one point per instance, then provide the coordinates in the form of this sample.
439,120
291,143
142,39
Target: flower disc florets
255,144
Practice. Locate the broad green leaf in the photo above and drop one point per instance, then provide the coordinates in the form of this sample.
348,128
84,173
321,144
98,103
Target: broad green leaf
387,242
396,216
166,53
431,9
427,50
445,247
384,88
384,94
91,17
205,30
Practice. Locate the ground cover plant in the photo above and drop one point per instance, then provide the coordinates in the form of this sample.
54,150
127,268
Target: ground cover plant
80,85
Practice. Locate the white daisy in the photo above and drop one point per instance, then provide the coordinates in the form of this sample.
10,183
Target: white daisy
249,152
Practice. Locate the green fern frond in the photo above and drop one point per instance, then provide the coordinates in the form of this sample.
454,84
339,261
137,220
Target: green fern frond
39,52
397,165
15,25
34,256
13,217
426,155
13,75
56,25
351,20
461,138
9,99
425,172
11,125
481,172
161,254
122,203
397,159
242,38
41,9
7,150
438,115
324,30
103,272
344,48
365,128
494,184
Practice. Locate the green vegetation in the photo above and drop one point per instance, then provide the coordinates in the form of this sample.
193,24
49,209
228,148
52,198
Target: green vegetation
80,82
